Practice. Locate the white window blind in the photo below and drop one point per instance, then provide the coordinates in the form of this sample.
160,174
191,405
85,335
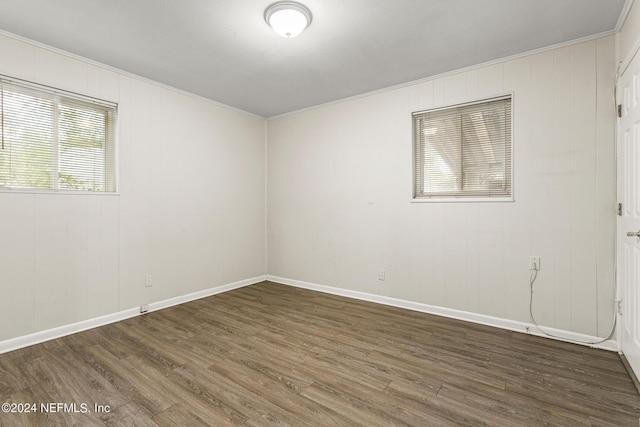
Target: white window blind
464,151
54,140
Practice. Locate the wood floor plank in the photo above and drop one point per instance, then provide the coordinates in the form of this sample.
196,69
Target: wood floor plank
11,378
253,405
62,376
261,363
392,409
279,394
451,370
213,409
140,383
358,412
129,415
177,415
577,402
491,408
20,419
270,354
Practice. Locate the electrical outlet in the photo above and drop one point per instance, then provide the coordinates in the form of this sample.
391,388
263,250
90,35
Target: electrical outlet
381,274
534,263
148,281
144,308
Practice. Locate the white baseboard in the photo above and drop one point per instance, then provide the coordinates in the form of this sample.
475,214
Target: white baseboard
154,306
61,331
512,325
42,336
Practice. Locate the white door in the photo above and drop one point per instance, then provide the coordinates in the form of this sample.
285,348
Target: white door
628,244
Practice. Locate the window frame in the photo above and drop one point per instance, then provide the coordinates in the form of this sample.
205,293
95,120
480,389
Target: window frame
461,198
65,98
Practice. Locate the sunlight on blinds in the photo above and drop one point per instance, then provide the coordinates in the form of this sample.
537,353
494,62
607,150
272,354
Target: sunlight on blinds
463,151
55,142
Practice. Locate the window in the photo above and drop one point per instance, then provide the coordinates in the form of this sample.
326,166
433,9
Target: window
463,151
53,140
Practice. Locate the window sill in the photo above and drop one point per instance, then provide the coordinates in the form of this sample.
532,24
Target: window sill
5,190
465,200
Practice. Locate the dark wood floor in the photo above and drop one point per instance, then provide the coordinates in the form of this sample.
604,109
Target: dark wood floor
270,354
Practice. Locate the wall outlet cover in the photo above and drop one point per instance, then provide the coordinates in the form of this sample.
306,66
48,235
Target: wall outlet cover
534,263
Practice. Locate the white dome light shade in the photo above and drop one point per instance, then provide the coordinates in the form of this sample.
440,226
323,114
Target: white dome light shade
288,18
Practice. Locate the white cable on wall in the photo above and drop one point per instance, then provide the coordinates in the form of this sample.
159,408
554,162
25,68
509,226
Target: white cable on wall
532,279
534,272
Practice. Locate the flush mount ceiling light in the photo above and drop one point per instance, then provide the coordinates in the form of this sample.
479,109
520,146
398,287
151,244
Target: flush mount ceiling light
288,18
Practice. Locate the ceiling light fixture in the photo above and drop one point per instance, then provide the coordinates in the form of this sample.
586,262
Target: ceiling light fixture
288,18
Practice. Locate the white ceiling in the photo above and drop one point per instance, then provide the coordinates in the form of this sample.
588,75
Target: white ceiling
223,50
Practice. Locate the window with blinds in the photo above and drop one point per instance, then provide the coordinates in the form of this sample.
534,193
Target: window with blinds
463,151
54,140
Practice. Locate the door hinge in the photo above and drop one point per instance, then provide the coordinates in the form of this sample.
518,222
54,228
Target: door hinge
619,307
619,209
619,110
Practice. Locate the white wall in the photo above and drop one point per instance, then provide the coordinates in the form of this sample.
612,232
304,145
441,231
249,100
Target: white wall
339,191
339,196
190,210
628,39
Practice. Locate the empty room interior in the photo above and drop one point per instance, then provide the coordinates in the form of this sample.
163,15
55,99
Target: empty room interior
320,213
